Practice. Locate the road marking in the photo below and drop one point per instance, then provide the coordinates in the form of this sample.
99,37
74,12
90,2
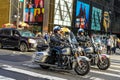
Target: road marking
31,65
104,73
110,69
118,64
95,78
115,66
6,78
114,70
10,68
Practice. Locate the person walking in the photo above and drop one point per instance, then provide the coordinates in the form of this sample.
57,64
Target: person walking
109,45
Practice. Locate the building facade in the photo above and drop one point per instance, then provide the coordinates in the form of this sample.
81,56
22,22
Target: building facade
4,12
116,25
92,15
96,16
60,13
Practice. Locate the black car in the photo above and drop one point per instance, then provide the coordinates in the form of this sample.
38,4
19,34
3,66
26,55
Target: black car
21,39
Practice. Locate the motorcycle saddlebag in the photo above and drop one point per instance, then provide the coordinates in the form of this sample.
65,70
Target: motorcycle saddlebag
41,56
89,50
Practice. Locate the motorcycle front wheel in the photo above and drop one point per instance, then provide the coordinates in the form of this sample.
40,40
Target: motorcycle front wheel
83,69
105,64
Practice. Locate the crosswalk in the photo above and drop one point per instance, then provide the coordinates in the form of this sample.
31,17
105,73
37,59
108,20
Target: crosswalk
5,78
113,73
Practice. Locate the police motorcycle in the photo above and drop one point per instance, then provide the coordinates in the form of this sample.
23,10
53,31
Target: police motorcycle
94,53
71,59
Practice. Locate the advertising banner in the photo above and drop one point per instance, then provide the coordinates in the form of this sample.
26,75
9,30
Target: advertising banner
34,12
96,19
82,15
106,21
63,12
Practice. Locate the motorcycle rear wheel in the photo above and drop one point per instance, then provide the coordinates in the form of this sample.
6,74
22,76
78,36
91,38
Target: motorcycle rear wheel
84,69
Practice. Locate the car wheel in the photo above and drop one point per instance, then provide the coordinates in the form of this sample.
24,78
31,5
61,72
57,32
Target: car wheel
23,47
1,45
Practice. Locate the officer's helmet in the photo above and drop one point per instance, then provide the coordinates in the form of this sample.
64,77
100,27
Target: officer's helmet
56,28
80,31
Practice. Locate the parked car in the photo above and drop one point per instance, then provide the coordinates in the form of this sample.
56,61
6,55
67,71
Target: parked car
21,39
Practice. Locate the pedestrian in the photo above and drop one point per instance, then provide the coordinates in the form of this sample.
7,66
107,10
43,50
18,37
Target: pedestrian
109,45
118,43
114,45
47,37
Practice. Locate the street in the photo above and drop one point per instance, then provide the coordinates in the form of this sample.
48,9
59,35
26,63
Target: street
15,65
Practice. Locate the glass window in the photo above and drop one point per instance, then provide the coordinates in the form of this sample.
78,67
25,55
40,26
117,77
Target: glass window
26,33
64,12
7,32
15,32
1,31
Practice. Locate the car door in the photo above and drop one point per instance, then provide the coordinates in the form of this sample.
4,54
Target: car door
6,37
15,38
2,40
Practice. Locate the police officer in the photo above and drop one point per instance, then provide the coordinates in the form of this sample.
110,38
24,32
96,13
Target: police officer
56,41
81,38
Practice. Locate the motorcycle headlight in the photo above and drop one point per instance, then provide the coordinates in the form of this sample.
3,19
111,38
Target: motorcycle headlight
79,49
32,41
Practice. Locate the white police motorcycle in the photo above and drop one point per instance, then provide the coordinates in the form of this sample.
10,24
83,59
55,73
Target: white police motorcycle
95,53
71,58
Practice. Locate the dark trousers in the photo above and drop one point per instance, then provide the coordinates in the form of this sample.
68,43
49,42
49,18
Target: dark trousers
58,51
109,50
114,49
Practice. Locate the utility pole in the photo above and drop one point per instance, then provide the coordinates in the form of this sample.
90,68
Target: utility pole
10,12
18,14
24,10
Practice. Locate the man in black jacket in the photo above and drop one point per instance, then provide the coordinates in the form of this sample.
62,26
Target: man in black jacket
56,43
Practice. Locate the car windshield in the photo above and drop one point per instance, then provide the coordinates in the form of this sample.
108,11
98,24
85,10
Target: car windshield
26,33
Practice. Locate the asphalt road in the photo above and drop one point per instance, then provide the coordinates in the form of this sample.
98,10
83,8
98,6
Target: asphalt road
15,65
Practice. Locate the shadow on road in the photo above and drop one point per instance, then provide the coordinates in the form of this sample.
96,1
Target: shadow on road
15,58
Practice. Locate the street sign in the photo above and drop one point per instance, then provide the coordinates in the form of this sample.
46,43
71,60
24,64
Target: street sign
21,0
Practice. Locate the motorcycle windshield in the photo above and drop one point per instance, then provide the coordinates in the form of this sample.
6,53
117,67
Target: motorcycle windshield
96,40
72,38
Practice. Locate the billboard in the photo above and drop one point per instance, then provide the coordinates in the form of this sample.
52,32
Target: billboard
106,21
34,11
96,19
82,15
63,12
